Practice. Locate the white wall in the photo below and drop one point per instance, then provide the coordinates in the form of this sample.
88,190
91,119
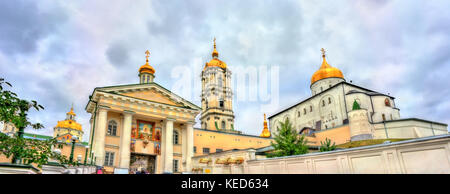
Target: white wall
426,155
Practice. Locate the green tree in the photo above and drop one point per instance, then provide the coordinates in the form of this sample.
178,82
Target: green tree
326,146
288,142
14,110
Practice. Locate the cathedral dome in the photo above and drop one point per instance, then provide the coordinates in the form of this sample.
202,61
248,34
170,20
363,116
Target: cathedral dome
70,122
216,63
326,71
146,68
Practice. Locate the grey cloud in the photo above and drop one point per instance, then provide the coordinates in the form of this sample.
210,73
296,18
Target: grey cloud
23,24
117,54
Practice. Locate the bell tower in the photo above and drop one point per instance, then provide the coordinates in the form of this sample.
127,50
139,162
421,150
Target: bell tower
217,107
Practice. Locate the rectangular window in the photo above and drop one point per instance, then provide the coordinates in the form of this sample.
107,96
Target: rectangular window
221,104
206,150
175,165
219,150
109,159
195,148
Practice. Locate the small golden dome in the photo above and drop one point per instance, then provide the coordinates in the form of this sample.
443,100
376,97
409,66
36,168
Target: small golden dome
326,71
146,68
215,62
265,132
71,112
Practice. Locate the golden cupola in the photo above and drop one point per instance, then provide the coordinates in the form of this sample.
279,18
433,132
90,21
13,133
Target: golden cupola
146,68
215,62
326,71
265,132
146,72
70,122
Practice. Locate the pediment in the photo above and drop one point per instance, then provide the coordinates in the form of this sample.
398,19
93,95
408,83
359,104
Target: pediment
150,92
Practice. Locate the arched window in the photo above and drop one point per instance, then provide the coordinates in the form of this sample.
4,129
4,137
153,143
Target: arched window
175,137
112,127
206,102
323,102
304,111
329,100
298,113
387,102
384,117
310,108
223,124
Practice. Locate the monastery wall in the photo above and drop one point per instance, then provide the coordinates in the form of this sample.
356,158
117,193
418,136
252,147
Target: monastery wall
429,155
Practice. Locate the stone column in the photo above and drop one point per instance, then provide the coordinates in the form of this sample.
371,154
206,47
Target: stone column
183,148
189,145
168,150
125,140
100,135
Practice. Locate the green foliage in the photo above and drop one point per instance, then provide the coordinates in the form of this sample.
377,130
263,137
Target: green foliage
14,110
288,142
326,146
31,150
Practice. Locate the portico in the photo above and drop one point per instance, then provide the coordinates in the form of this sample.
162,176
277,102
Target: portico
142,119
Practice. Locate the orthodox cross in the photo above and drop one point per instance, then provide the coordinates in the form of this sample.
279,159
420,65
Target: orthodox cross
323,51
147,53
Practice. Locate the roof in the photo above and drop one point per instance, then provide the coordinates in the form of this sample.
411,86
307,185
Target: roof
338,84
412,119
240,134
139,84
46,137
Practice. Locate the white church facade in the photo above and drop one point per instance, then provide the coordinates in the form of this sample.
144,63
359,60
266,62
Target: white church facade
331,106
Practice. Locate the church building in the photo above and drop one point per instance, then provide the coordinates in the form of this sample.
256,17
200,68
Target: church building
145,126
344,112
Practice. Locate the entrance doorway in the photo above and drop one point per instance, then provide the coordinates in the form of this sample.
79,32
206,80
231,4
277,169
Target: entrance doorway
139,162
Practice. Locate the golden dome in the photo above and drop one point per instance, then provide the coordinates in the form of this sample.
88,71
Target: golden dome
146,68
215,62
265,132
326,71
69,124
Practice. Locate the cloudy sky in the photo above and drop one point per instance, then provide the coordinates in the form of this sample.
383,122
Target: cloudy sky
57,52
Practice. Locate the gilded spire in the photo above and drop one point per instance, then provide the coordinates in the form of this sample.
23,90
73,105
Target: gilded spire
324,62
265,132
215,53
71,111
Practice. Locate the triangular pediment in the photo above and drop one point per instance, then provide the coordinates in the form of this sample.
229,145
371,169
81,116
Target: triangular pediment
154,96
150,92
